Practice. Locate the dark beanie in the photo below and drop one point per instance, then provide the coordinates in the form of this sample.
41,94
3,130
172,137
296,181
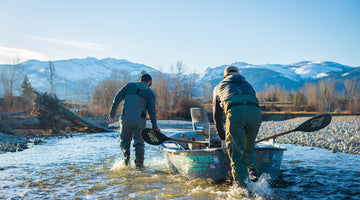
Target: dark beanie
145,78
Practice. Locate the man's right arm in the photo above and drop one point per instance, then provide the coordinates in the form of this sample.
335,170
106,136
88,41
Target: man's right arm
218,116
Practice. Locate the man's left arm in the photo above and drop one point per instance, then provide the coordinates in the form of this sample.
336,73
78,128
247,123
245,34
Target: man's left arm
117,99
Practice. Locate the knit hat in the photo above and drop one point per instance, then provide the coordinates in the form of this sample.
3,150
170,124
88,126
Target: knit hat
145,78
230,70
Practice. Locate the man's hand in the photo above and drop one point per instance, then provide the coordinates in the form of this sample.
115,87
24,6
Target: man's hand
111,119
158,130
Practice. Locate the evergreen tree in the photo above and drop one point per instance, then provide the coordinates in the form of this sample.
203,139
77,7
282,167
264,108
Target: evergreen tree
27,92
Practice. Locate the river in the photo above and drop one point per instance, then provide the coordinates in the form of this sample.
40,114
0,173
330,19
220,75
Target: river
89,166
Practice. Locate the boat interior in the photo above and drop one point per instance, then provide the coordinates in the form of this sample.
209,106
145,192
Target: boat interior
204,131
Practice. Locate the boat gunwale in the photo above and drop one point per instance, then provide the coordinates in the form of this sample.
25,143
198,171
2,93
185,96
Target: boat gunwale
175,150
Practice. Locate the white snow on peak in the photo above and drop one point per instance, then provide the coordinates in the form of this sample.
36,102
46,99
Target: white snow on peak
318,69
321,75
76,70
303,70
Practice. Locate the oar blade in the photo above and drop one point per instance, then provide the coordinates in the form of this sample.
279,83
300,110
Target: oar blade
153,137
315,123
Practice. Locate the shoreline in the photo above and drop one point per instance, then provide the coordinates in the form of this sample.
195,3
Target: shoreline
341,135
13,143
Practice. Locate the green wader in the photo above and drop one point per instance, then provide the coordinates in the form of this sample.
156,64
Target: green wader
242,126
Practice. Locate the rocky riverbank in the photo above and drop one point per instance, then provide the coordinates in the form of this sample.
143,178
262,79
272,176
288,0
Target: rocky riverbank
13,143
341,135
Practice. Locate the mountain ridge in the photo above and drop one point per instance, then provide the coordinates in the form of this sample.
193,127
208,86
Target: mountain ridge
291,76
93,70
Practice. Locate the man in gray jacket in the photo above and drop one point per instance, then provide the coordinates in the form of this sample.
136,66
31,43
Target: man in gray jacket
138,98
235,97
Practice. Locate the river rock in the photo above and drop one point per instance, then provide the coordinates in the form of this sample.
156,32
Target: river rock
338,136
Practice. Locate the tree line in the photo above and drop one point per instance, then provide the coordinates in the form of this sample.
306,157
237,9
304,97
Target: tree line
175,94
9,79
322,96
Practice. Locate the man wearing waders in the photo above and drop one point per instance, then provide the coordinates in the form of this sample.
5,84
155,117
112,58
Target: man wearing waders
138,98
235,97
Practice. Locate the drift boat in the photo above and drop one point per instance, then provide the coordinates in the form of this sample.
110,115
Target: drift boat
197,161
200,153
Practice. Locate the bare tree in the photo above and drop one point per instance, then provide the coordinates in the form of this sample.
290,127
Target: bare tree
85,90
300,99
270,92
282,94
352,88
208,92
321,95
177,80
341,102
188,87
164,96
326,96
4,81
103,95
122,76
10,79
11,75
105,91
311,92
50,74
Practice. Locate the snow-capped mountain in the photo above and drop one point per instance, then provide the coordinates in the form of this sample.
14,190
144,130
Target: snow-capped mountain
77,72
79,69
291,76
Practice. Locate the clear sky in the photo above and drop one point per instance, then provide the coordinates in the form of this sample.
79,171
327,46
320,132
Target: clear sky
200,33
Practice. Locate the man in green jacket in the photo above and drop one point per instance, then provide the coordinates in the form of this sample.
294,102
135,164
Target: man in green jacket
138,98
235,97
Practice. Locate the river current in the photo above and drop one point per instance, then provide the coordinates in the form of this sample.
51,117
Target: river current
90,166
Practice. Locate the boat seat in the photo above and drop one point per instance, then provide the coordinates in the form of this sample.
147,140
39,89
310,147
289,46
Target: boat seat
173,145
200,122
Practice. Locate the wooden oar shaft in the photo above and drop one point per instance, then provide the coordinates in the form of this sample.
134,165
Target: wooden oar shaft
188,141
274,136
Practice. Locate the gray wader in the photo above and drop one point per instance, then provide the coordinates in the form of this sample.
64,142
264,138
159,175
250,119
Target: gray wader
132,121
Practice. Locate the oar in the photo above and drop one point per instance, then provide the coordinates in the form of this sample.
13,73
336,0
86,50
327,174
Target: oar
154,137
316,123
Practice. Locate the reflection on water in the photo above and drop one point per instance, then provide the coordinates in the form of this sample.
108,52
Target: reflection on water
91,167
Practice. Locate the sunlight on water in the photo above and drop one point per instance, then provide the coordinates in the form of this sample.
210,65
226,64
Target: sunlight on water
158,181
91,167
262,187
119,165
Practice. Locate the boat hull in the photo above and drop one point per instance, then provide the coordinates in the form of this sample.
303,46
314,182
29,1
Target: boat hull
213,163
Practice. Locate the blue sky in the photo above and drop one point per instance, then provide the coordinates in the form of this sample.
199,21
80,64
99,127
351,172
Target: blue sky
200,33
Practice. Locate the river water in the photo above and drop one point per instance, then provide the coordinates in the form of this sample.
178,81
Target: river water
90,166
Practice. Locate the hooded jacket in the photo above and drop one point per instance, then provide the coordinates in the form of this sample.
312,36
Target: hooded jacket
138,98
232,89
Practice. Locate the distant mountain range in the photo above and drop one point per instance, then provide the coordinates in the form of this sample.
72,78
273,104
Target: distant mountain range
292,76
76,72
